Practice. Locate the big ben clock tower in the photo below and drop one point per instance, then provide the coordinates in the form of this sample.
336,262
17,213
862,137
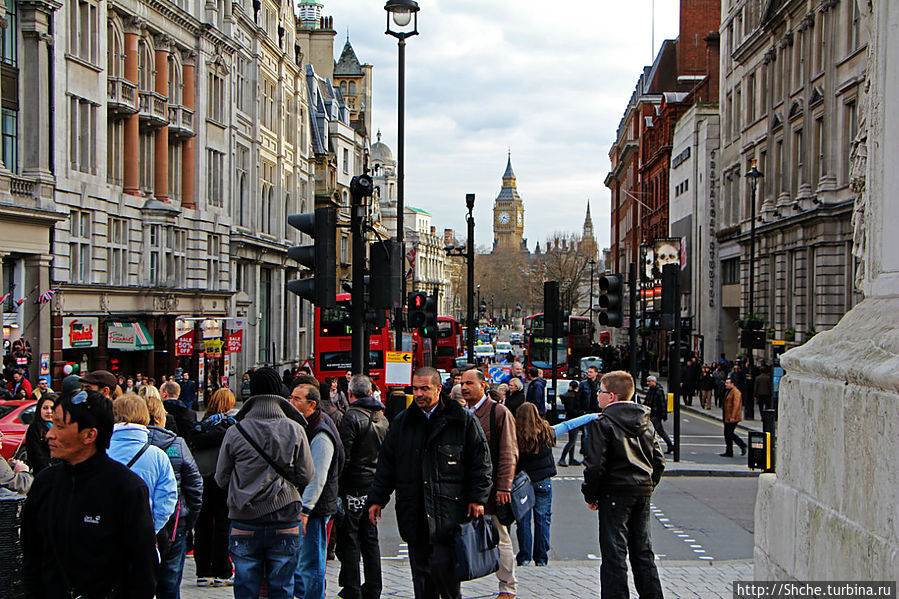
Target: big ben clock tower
508,215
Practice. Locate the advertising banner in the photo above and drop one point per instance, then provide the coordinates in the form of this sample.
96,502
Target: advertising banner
201,370
214,347
80,332
226,371
235,341
184,345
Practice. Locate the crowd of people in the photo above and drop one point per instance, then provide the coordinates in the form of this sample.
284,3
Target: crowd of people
124,479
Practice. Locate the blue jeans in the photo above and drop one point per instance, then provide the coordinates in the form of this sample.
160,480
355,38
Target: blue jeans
264,550
536,546
309,579
168,586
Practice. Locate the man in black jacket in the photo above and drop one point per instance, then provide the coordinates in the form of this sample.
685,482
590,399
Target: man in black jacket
362,431
657,402
435,458
624,464
86,525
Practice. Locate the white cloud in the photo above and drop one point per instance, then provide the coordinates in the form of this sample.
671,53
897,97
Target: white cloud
548,80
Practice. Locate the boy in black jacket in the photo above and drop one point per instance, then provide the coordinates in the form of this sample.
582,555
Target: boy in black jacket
86,525
624,464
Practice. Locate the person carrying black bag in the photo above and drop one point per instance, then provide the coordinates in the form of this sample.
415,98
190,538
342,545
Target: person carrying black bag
447,483
657,402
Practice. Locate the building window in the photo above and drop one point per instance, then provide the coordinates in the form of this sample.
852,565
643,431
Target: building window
242,191
268,185
176,151
851,126
798,166
854,26
344,249
819,147
799,59
84,30
154,249
117,240
352,88
10,126
8,42
145,65
730,271
728,116
268,103
343,88
80,246
216,98
82,135
175,86
738,112
214,184
820,41
750,99
115,141
778,167
243,83
763,89
147,142
346,160
213,255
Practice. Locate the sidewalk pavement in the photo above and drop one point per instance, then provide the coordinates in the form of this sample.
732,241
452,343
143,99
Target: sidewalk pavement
558,580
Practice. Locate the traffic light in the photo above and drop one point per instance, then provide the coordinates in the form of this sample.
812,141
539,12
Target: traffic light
321,287
566,326
417,316
430,327
483,307
550,308
384,260
611,289
670,272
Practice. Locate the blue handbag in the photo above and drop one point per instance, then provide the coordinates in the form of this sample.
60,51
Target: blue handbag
475,549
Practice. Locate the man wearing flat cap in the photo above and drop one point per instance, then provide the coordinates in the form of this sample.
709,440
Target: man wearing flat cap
100,380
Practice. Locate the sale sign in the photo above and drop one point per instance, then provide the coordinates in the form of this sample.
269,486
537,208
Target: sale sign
235,340
184,345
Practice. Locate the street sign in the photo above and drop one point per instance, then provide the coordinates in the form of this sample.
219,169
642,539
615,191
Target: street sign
398,368
496,373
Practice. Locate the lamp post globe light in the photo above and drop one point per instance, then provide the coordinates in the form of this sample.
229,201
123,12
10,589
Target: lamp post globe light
401,13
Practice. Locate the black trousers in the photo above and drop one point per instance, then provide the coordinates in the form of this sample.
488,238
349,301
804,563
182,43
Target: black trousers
573,434
432,571
357,538
211,533
730,437
623,534
659,425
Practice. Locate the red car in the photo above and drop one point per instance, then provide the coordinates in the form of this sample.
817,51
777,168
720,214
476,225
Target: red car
15,416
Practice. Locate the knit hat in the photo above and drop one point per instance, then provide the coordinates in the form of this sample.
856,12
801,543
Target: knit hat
71,384
267,381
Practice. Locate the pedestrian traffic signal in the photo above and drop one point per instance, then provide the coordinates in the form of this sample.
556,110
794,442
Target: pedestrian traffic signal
611,289
321,257
384,261
417,316
430,327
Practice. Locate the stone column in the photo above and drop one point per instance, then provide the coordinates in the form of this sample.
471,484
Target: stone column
35,20
131,156
831,511
188,160
37,316
161,158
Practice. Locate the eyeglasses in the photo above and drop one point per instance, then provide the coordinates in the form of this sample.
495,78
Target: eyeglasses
604,391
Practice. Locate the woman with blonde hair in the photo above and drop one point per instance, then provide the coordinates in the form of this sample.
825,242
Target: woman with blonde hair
211,532
130,445
536,439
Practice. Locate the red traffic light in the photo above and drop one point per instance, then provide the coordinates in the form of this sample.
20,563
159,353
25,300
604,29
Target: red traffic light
419,301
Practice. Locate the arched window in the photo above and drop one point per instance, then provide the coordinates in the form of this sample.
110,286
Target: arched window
352,88
343,88
144,67
115,56
174,80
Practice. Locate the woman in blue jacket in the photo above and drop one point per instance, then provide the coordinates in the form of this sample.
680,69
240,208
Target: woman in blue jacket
130,445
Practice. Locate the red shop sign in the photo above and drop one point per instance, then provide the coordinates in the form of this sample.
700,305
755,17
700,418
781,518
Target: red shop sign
184,345
235,340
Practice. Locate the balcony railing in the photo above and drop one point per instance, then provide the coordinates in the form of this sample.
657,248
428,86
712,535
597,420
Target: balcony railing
122,96
21,187
153,109
181,121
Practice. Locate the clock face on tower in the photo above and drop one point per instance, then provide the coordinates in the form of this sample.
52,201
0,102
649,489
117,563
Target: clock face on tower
503,218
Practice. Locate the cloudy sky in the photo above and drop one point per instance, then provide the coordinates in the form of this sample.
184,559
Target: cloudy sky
547,79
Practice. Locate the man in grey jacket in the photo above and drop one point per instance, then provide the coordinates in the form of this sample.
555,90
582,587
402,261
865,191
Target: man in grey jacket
264,464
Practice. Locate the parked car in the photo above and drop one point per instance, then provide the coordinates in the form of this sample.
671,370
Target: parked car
516,339
484,353
15,416
502,349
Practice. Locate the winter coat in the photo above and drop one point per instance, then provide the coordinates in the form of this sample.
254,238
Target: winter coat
362,433
102,532
624,456
587,393
439,465
733,406
254,488
185,417
320,496
538,465
536,394
514,400
153,467
657,402
573,404
190,483
37,451
206,441
19,482
506,445
764,385
706,382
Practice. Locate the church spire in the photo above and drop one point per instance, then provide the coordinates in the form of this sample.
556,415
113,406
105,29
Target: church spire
588,223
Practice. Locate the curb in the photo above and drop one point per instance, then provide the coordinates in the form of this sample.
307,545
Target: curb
696,412
716,473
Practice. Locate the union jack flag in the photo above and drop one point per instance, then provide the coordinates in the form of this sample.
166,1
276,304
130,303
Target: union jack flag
46,297
3,298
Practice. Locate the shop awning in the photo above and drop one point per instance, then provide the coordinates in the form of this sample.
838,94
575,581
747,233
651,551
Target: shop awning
128,336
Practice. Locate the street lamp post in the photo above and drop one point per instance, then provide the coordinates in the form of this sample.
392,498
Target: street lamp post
753,175
592,264
402,12
468,254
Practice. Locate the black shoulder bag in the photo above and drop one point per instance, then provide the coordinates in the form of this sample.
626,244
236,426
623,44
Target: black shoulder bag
278,469
522,494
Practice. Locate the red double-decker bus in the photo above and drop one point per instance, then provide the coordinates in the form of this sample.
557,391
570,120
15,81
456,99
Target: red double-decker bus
449,342
571,348
333,344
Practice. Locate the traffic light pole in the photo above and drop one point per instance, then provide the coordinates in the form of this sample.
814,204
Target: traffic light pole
675,368
359,352
469,202
632,321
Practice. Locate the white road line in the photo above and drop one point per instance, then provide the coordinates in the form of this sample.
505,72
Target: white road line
666,522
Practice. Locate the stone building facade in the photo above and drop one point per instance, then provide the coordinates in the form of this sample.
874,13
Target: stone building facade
149,183
791,75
